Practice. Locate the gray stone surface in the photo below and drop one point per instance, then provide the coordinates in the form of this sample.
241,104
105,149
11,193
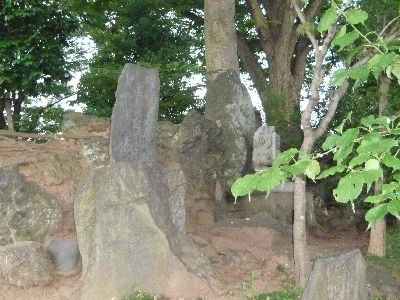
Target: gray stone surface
127,235
192,147
341,277
135,113
266,146
65,256
228,103
26,211
25,264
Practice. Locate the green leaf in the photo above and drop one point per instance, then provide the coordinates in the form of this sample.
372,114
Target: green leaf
349,188
328,19
359,160
245,185
345,40
285,157
340,127
269,179
396,70
313,169
370,176
377,147
372,164
376,213
331,171
346,144
391,162
297,168
396,176
339,77
359,74
356,16
375,199
393,207
388,188
330,142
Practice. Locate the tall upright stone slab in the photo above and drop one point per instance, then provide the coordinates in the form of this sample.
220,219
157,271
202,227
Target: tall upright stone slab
228,103
338,278
134,117
130,216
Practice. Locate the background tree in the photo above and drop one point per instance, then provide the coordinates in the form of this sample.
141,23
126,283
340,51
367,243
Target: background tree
34,36
143,32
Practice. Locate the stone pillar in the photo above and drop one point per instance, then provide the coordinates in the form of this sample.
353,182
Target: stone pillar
135,113
220,37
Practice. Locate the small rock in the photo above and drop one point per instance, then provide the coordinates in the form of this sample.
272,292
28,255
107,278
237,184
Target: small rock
65,256
25,264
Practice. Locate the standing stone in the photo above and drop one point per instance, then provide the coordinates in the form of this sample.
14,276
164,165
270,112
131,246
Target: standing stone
25,264
338,278
266,146
126,236
134,117
228,103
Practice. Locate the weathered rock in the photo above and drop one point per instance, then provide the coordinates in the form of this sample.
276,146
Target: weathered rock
382,282
193,145
266,146
79,123
126,234
65,256
26,211
277,205
229,105
25,264
338,278
134,118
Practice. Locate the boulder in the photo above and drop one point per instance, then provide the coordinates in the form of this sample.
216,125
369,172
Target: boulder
127,235
25,264
65,256
228,103
340,277
192,146
134,117
26,211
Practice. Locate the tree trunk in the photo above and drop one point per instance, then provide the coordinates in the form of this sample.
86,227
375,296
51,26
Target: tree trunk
377,241
10,121
300,251
301,258
3,124
17,111
220,37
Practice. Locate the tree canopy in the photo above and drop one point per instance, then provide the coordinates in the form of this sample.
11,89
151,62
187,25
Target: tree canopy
34,38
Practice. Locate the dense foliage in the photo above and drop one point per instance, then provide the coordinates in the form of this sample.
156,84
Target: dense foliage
149,33
34,38
361,153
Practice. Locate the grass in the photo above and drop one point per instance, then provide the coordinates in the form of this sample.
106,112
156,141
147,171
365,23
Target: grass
137,294
392,259
288,293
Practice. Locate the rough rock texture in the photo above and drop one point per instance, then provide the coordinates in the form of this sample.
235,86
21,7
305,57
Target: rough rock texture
193,147
134,118
229,105
133,200
25,264
266,146
65,256
278,205
26,211
338,278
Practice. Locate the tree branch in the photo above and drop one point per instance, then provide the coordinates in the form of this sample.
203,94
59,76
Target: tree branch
303,20
260,21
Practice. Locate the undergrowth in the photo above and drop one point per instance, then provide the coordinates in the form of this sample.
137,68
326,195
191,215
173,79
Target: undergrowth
137,294
392,259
